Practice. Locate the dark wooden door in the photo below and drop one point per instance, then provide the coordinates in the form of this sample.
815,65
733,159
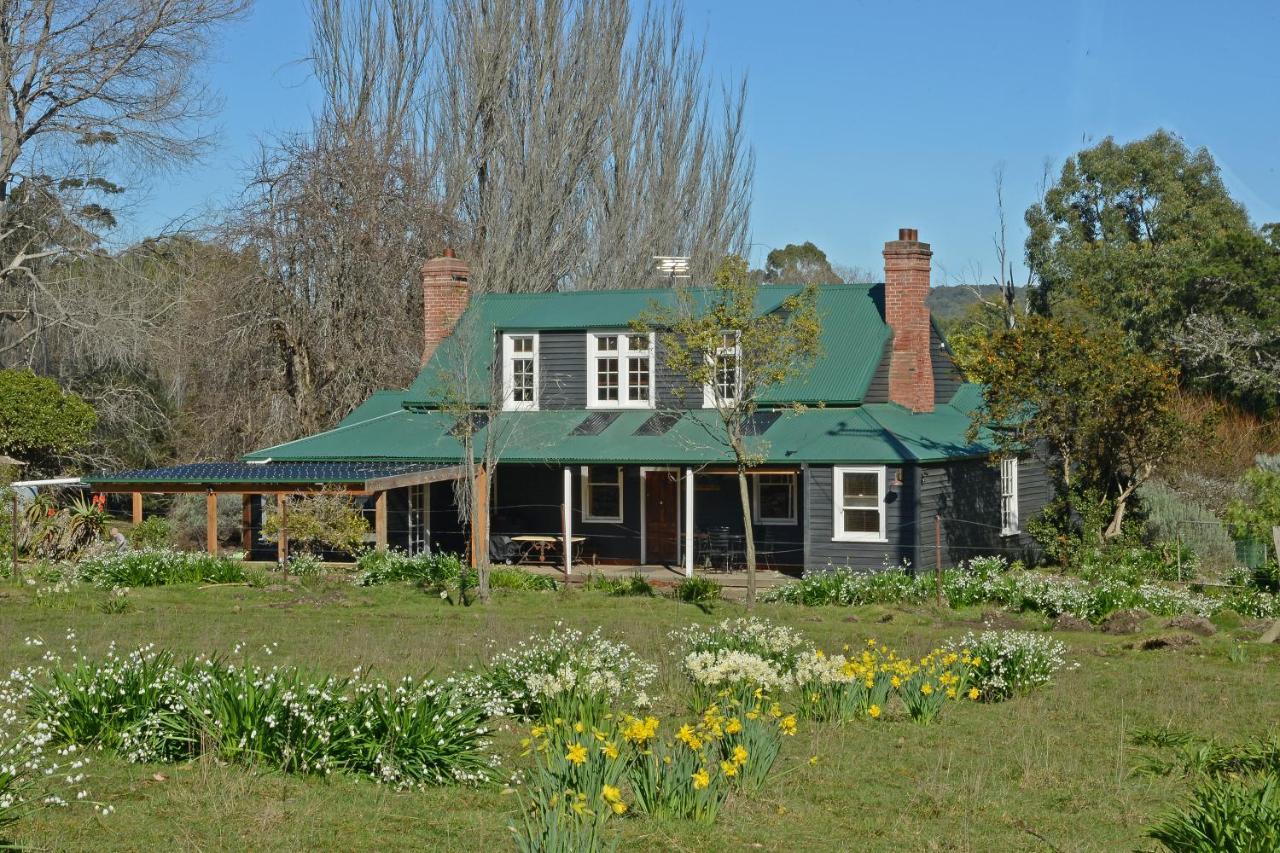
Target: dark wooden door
661,517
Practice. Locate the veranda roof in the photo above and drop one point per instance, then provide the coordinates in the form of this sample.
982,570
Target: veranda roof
874,433
272,476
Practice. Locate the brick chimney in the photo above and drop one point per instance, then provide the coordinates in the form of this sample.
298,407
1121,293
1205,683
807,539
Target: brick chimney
445,294
906,285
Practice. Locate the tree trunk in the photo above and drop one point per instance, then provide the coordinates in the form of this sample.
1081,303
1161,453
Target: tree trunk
750,536
1117,517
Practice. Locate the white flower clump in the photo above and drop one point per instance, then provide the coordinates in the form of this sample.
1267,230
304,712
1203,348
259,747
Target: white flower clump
566,662
728,667
1012,662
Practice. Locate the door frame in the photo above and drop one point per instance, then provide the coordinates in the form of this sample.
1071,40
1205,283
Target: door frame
644,527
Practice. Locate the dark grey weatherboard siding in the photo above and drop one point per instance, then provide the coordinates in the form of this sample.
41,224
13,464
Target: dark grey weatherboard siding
947,378
562,376
964,497
900,522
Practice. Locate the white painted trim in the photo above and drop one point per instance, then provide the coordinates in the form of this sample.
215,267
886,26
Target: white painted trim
568,521
56,481
508,387
688,522
756,518
644,546
1015,527
709,390
586,497
838,533
624,375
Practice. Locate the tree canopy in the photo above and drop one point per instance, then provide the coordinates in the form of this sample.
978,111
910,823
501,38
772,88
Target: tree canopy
1144,236
802,263
39,422
1102,413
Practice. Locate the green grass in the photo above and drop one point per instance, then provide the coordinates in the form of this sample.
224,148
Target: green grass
1055,764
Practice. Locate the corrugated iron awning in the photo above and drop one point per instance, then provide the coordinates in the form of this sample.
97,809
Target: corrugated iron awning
354,476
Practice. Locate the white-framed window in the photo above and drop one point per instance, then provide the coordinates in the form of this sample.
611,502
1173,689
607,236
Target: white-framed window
859,504
602,493
726,377
1009,496
419,524
619,370
520,371
775,499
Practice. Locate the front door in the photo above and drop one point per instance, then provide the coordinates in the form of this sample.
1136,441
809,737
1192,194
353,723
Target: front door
661,517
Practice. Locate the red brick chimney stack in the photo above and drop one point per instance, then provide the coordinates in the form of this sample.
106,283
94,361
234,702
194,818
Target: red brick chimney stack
906,285
445,294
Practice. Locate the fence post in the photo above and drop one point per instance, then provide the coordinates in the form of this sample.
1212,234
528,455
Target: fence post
937,559
1177,543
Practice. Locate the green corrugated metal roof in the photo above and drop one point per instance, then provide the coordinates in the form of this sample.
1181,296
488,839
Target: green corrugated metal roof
379,403
853,336
882,432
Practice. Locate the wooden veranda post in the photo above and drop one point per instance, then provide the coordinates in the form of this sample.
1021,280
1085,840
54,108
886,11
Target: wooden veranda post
246,523
137,508
211,522
282,540
380,521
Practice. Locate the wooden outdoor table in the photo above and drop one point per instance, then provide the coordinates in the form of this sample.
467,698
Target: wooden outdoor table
542,544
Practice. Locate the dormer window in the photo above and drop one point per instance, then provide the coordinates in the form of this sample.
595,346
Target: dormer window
620,370
520,371
726,375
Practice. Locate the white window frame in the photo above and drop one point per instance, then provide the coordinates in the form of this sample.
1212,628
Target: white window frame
756,517
624,355
1009,522
709,391
839,534
509,356
586,496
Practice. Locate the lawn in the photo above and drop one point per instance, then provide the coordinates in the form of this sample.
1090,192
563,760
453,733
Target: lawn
1051,770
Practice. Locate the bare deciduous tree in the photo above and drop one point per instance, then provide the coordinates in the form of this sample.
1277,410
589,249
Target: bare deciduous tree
89,85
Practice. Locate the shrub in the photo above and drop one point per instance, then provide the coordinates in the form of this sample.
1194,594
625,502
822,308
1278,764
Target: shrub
320,521
634,585
568,675
157,568
1225,815
433,572
1008,663
150,533
698,590
1172,517
188,518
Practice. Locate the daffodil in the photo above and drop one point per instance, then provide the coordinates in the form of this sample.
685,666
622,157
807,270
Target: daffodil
701,780
611,793
874,711
739,754
577,754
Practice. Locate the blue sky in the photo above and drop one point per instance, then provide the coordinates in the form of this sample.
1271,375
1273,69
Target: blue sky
868,116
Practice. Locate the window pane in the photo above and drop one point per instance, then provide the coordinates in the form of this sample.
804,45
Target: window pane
861,521
638,378
605,474
522,344
776,496
607,343
605,501
861,484
638,343
606,379
522,380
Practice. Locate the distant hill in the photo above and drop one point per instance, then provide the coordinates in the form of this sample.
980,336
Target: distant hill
950,302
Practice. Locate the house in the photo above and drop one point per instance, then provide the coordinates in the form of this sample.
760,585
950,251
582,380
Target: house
599,443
